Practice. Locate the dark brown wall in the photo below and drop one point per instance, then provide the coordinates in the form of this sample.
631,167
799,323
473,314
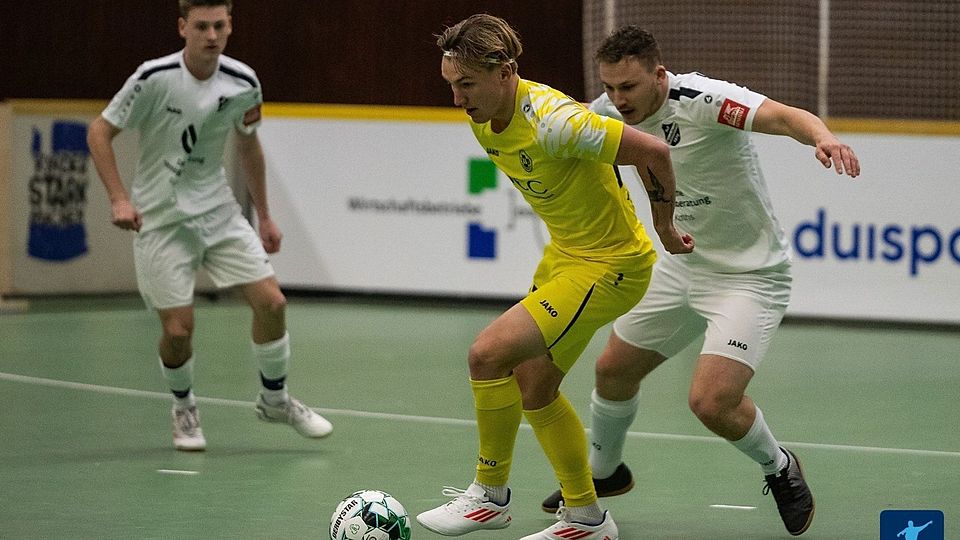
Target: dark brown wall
313,51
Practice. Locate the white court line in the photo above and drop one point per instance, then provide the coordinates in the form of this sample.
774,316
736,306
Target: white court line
177,471
732,507
39,381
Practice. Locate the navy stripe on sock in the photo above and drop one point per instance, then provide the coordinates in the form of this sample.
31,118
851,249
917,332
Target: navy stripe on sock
181,394
272,384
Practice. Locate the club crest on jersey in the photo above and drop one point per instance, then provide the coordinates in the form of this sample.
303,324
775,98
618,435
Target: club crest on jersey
526,161
671,133
733,114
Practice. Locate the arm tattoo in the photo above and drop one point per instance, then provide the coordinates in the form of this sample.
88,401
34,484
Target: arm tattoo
657,193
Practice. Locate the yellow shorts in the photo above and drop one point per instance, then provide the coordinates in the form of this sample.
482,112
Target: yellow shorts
572,298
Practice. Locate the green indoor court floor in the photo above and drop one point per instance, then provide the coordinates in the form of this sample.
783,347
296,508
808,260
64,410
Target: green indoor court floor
86,453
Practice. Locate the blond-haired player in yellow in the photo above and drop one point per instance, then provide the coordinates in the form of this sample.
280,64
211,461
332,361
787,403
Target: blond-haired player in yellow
561,157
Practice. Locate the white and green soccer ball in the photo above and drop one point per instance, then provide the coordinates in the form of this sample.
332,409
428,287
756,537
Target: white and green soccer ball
370,515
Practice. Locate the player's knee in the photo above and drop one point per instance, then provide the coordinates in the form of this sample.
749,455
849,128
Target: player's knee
615,372
277,303
478,357
272,306
709,408
610,369
177,331
176,342
483,361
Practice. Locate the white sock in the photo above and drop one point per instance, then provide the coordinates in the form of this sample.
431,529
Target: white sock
761,447
273,359
180,381
588,515
610,421
499,495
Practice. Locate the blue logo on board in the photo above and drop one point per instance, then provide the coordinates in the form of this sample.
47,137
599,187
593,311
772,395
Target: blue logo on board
481,241
58,193
911,525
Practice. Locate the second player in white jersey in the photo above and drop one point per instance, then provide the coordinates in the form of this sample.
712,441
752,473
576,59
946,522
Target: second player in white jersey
722,197
186,106
732,290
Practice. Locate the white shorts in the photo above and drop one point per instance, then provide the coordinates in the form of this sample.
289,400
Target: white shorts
738,313
221,241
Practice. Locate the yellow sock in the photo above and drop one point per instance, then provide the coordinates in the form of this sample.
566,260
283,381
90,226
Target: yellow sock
563,440
498,417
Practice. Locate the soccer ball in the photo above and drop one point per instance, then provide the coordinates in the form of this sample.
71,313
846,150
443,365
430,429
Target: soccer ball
369,515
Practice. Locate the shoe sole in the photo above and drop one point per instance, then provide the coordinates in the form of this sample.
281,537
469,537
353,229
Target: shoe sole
190,448
812,500
441,533
262,415
614,493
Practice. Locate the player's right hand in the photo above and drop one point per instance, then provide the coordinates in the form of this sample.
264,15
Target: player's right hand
126,216
676,242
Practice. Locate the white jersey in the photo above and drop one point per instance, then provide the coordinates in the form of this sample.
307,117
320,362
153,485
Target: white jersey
184,124
722,197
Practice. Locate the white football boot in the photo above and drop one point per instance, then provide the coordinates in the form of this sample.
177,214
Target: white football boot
302,418
187,435
564,529
470,510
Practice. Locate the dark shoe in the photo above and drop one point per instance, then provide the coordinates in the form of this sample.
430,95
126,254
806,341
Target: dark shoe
618,483
794,500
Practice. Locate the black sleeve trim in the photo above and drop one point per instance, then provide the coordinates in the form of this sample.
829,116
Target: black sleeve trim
239,75
151,71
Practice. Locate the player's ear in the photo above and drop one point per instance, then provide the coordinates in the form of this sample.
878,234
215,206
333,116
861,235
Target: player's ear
182,27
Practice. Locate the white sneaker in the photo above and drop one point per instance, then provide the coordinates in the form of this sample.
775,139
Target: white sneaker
564,529
187,435
298,415
469,511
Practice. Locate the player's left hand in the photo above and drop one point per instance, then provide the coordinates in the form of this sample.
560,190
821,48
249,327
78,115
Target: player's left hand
841,156
270,235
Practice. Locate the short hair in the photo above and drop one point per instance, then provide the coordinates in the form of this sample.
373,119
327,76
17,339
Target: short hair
480,42
630,40
187,5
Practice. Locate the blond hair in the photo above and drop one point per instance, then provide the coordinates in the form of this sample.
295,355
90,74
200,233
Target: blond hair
480,42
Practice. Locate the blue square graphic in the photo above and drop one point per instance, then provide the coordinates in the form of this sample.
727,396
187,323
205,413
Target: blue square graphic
911,525
481,243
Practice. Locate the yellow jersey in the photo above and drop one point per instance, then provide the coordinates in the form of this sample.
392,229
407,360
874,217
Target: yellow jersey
560,156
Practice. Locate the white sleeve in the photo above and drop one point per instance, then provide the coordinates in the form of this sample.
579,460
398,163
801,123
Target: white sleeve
249,104
132,104
724,105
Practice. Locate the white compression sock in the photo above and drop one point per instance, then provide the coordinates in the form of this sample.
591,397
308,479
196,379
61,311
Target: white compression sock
497,494
273,359
180,381
761,447
589,515
610,421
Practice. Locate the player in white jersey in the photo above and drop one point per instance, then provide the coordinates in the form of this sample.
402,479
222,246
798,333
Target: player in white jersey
733,289
186,106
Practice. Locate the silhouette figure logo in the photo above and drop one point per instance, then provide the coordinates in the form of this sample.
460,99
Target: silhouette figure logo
911,525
